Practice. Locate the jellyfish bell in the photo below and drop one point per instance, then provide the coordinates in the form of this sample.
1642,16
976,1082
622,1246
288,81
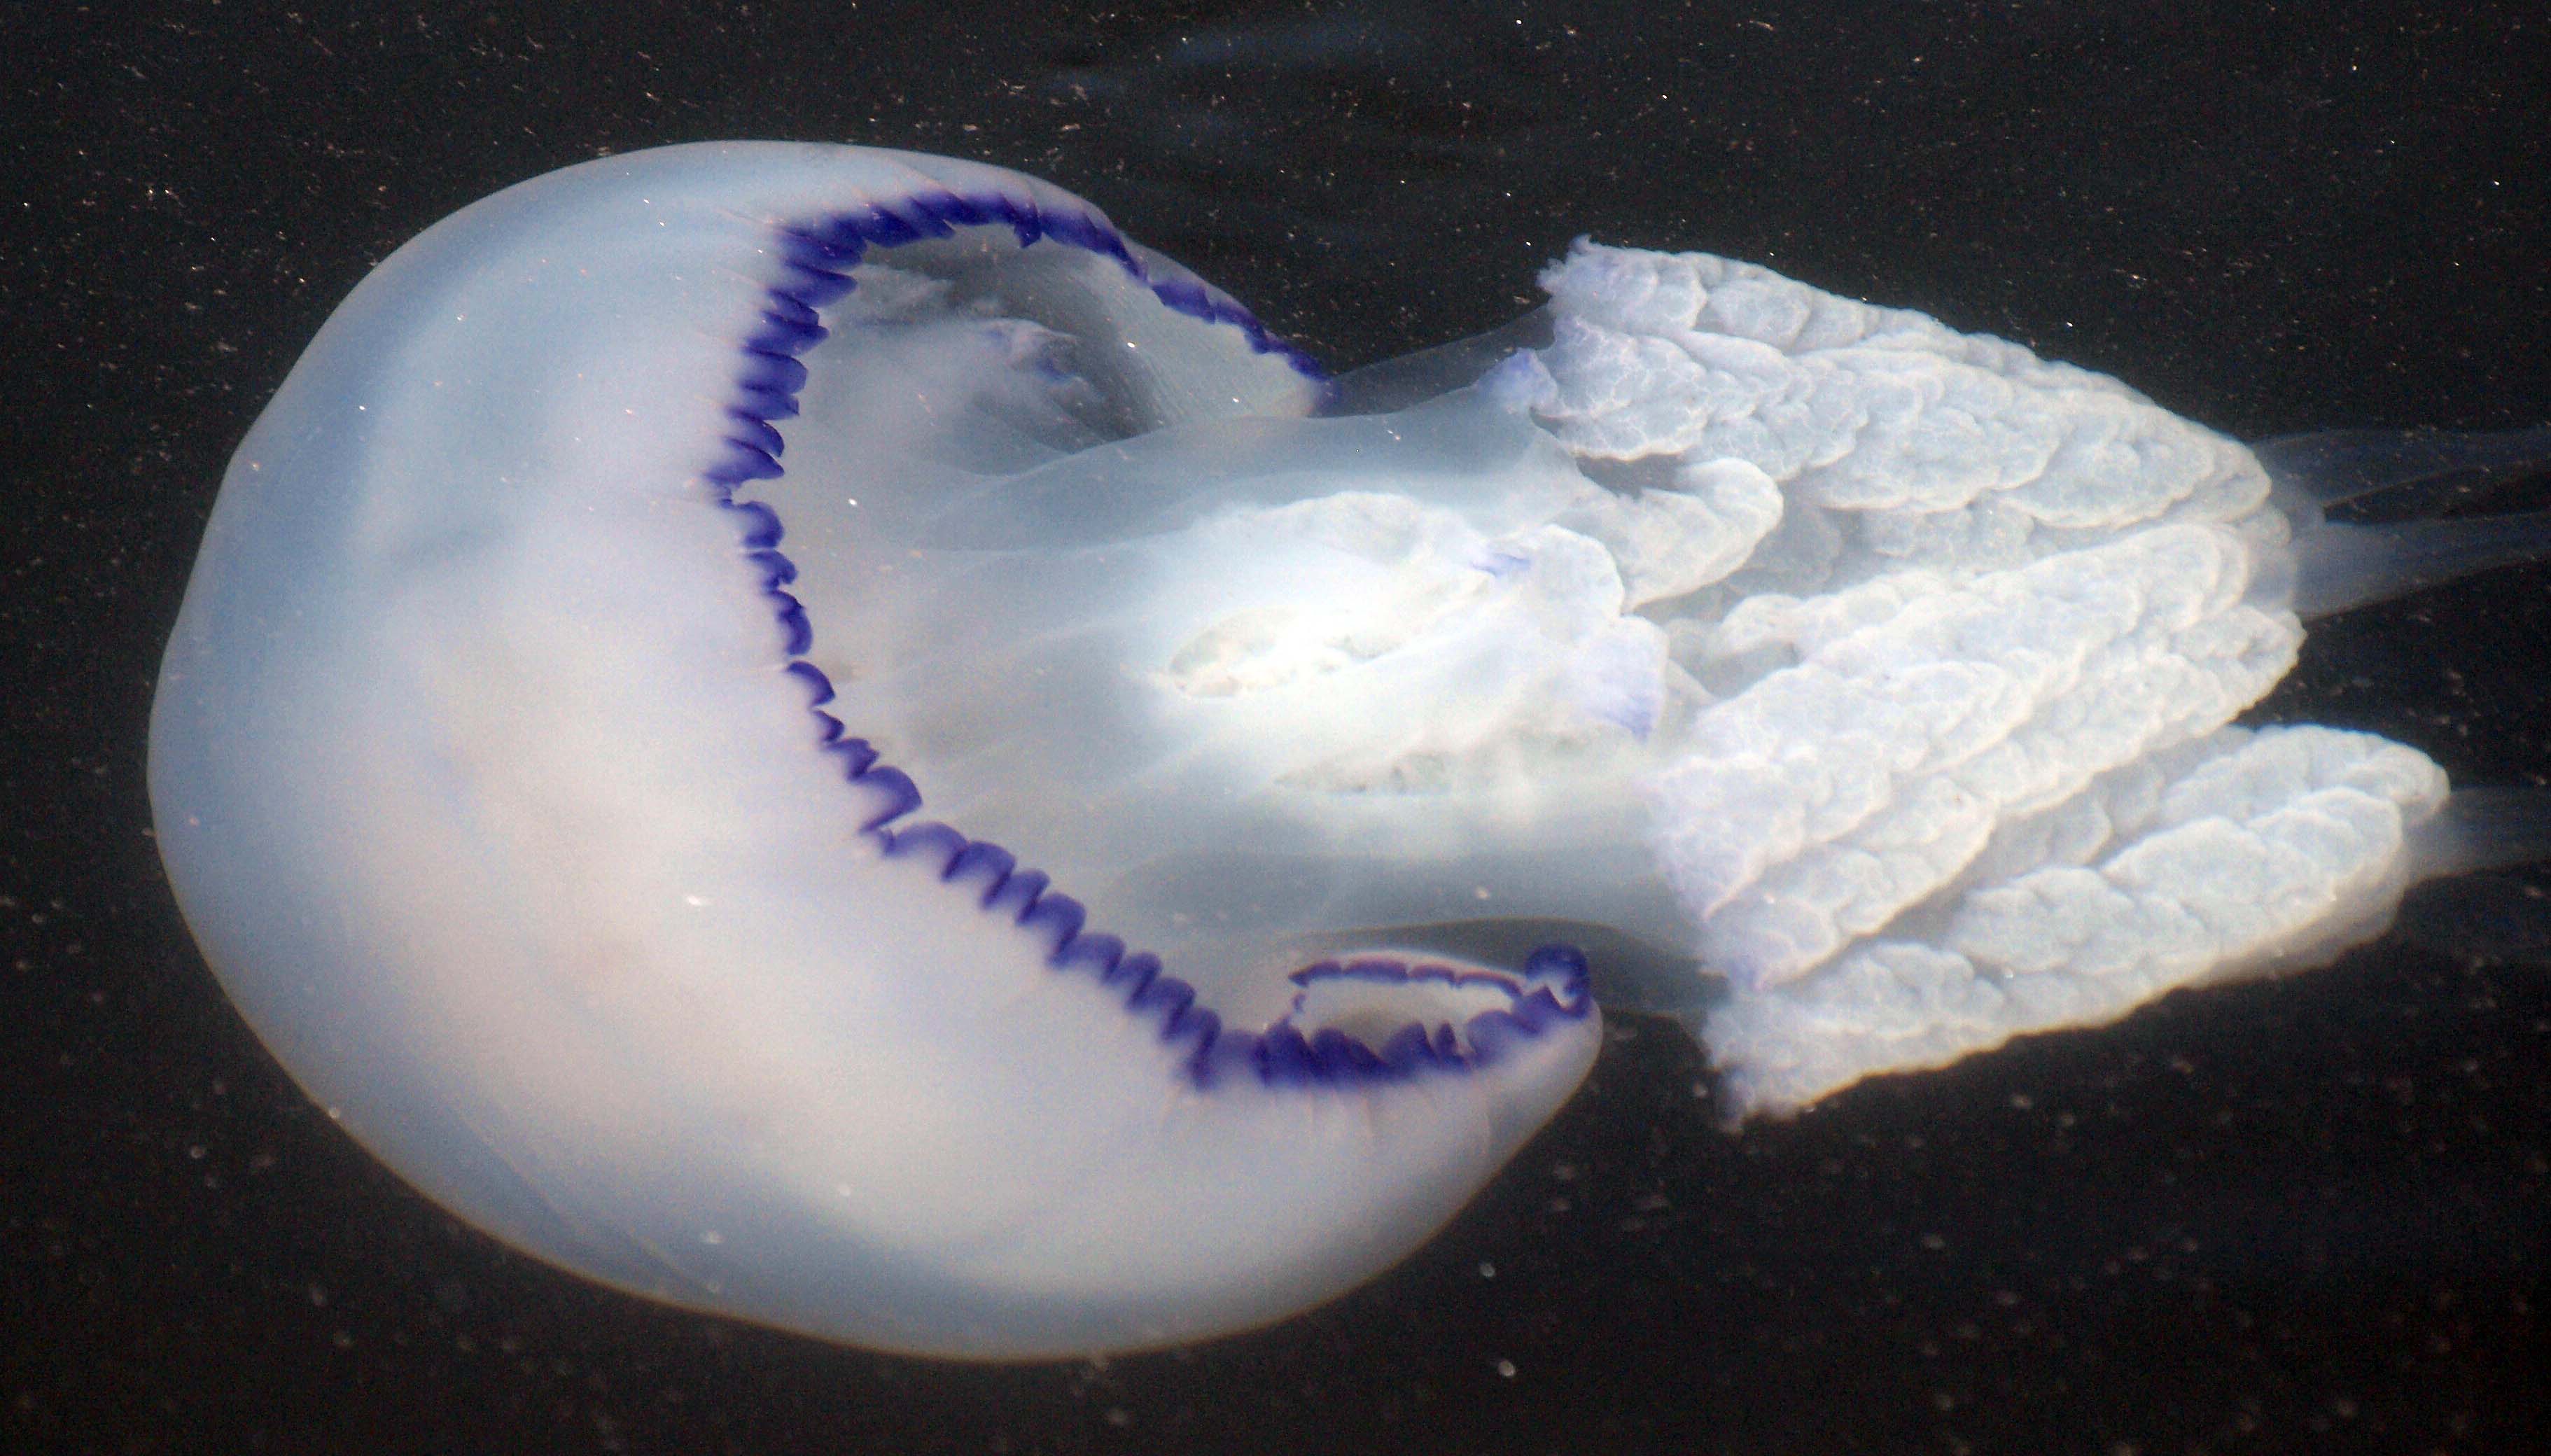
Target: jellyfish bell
816,734
530,818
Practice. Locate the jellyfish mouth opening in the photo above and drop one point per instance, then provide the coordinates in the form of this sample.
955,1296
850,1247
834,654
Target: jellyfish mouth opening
977,356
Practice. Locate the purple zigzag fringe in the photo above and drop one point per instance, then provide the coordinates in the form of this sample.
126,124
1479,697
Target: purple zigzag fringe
818,255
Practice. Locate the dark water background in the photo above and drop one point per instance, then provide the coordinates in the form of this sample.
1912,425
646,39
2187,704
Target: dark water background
2311,1215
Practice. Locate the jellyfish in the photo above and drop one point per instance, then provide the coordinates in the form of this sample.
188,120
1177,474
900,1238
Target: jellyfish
815,734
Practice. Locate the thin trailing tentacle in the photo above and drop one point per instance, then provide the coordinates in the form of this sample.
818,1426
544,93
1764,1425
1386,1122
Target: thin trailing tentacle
2485,829
2338,567
2335,465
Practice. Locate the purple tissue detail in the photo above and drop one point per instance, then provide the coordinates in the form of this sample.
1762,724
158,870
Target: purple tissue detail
986,864
816,261
1223,1054
765,404
1133,975
885,229
822,245
949,207
1561,975
1017,895
1344,1056
787,327
811,286
792,622
1055,916
1536,1012
1386,971
1533,1005
763,529
1185,1019
910,211
1491,1033
901,797
783,310
816,683
1200,1025
1165,996
776,570
756,404
771,373
1284,1058
745,429
1409,1050
1079,229
1098,954
1557,960
1185,295
739,462
931,842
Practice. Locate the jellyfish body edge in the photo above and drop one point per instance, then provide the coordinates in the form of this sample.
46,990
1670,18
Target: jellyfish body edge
490,782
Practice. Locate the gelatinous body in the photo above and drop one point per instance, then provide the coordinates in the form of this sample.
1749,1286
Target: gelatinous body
814,733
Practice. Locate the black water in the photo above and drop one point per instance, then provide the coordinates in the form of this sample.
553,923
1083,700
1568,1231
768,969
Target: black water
2311,1215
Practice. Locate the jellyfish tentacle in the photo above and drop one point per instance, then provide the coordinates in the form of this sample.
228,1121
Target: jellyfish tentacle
2335,465
1964,768
2489,827
645,548
2459,906
2408,475
1413,378
2340,566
